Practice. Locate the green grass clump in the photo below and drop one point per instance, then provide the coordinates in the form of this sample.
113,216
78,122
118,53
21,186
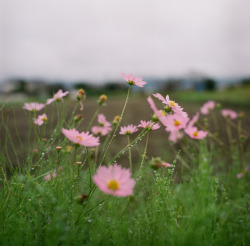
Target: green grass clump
197,201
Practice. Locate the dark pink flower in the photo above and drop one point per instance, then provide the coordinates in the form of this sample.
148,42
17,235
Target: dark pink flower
228,113
84,139
207,107
114,180
127,130
57,97
149,124
132,80
34,106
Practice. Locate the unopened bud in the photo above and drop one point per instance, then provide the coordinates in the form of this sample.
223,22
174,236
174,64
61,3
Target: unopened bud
44,139
81,198
116,119
167,109
80,94
102,99
241,115
218,105
155,118
157,163
58,148
79,163
68,148
78,117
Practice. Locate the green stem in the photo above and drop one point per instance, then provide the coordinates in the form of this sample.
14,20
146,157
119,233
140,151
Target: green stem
117,126
94,116
144,154
129,154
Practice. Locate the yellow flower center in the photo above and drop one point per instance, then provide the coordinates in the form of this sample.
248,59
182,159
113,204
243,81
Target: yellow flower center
177,123
172,103
79,137
195,134
113,185
44,119
130,82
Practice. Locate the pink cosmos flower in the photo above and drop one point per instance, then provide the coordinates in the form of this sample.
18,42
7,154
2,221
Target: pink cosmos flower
228,113
49,176
175,136
175,122
34,106
172,105
84,139
242,173
114,180
193,120
57,97
127,130
103,122
149,124
41,119
160,114
193,132
100,130
207,107
132,80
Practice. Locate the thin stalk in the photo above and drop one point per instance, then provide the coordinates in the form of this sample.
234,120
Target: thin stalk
144,154
89,162
129,154
117,126
94,116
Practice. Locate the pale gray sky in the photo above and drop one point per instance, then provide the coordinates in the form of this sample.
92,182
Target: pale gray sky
97,40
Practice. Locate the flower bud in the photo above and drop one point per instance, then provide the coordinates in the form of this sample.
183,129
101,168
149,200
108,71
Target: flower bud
68,148
80,94
81,198
58,148
78,117
102,99
116,119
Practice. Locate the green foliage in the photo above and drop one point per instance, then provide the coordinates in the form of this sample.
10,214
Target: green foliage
206,205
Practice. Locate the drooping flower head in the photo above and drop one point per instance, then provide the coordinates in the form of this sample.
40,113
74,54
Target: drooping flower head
175,122
149,125
57,96
207,107
41,119
194,133
114,180
83,138
132,80
228,113
34,106
127,130
171,106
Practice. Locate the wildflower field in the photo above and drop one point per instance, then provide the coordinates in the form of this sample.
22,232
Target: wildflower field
142,171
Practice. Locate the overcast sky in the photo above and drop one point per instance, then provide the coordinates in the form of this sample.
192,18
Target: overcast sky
97,40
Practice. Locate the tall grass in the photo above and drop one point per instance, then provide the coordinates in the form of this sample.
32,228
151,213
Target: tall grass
202,203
